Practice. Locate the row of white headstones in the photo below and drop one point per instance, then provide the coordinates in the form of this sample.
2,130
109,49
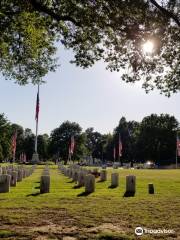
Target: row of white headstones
10,175
86,178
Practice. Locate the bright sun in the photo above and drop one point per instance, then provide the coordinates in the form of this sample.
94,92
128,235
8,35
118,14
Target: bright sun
148,47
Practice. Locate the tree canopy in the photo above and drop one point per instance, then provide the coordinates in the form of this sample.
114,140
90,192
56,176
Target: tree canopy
94,29
154,138
5,138
60,140
157,138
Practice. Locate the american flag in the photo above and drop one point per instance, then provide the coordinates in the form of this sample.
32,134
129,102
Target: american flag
14,138
72,144
178,146
37,106
120,146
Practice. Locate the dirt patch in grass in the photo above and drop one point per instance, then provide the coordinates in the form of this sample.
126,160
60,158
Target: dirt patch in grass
60,231
49,223
46,223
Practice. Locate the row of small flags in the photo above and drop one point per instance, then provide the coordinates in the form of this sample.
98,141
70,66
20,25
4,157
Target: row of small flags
116,151
72,145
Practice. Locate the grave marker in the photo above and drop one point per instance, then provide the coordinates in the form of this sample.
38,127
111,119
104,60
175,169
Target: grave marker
45,184
114,179
89,183
5,183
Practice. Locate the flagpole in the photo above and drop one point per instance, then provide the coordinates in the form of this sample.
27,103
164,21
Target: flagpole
176,150
119,150
35,157
35,148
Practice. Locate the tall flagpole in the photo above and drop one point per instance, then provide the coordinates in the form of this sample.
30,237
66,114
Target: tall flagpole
37,113
35,157
35,147
176,150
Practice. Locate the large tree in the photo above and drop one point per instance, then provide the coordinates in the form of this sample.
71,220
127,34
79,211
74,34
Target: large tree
93,29
157,139
5,138
94,143
60,141
42,143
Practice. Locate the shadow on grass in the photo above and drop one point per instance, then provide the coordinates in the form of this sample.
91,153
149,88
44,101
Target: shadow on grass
83,194
38,187
76,187
33,194
37,182
111,186
129,194
70,181
100,181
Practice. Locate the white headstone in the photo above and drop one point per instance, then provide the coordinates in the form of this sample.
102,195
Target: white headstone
45,184
114,179
81,179
19,175
5,183
103,175
13,178
89,183
130,184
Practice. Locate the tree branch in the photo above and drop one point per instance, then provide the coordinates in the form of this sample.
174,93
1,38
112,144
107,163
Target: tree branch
41,8
166,12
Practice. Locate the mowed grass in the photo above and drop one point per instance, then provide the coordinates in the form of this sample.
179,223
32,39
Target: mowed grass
104,214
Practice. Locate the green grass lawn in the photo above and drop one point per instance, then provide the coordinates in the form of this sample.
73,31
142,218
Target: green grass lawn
104,214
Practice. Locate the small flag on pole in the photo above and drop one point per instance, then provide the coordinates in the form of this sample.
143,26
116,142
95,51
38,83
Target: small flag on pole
114,153
24,157
72,144
14,138
37,106
120,146
178,146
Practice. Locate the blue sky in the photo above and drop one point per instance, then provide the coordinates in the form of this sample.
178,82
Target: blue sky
94,98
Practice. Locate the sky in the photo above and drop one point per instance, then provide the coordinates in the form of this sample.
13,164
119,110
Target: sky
93,97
